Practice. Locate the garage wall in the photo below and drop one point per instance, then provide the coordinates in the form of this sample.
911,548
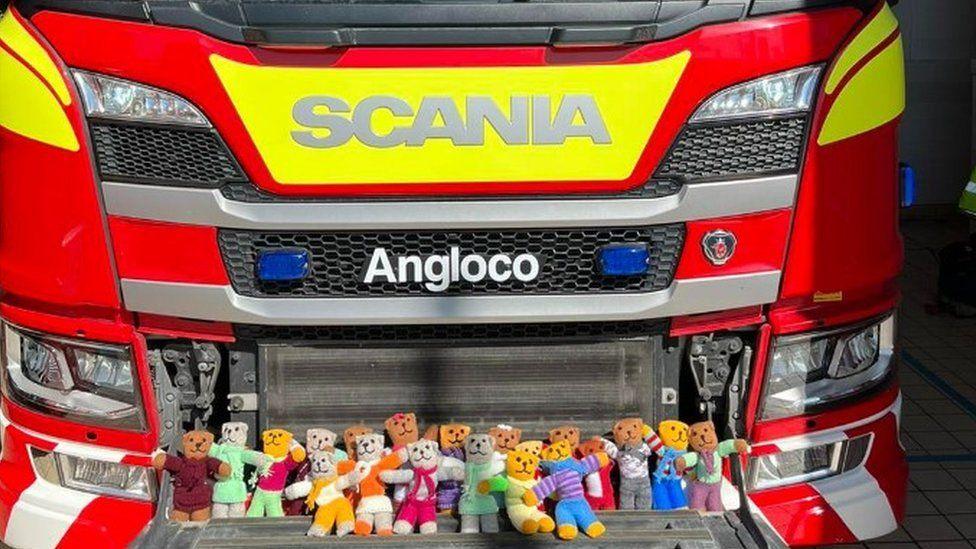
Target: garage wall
938,128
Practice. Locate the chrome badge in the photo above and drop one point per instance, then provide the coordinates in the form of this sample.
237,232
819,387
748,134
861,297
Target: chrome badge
719,246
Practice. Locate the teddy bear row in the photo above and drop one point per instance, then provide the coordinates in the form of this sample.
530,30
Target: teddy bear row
449,470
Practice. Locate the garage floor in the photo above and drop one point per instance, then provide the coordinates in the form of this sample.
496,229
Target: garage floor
938,376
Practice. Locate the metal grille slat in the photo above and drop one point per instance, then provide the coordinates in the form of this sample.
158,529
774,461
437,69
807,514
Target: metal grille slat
568,260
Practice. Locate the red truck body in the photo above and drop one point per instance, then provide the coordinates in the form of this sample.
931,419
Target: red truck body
77,253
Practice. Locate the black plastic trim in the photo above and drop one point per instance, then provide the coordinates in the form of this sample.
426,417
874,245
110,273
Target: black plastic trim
448,22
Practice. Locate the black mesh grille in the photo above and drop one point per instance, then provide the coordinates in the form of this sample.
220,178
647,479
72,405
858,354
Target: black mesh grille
735,150
568,260
155,154
247,192
451,332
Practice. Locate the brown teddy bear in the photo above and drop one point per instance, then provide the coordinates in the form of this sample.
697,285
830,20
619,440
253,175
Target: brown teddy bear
569,433
631,454
403,431
349,438
706,460
192,493
506,438
599,487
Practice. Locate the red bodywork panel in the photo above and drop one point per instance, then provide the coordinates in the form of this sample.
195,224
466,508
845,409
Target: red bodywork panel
771,45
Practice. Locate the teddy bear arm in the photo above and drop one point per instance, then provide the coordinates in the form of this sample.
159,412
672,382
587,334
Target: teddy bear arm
729,447
396,476
298,489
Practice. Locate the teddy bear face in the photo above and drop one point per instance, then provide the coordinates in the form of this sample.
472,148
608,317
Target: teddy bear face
196,444
533,447
351,434
424,454
478,448
557,451
234,433
402,429
452,435
319,440
369,447
627,431
703,437
590,447
674,434
569,433
506,437
322,465
521,465
276,442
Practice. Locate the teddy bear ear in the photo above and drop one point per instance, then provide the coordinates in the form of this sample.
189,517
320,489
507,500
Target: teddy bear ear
517,431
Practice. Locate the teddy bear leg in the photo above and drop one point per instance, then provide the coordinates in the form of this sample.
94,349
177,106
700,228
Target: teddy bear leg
200,515
322,524
642,498
628,497
566,521
713,502
364,524
469,524
221,510
429,527
236,510
384,524
489,523
546,524
179,516
345,520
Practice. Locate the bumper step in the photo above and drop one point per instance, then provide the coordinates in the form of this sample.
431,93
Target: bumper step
644,529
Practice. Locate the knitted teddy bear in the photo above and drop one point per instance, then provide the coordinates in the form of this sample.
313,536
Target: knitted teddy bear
316,440
565,483
599,487
192,494
706,460
427,468
631,453
517,483
479,511
374,509
403,430
324,489
349,437
506,438
569,433
230,494
286,455
666,479
452,437
533,447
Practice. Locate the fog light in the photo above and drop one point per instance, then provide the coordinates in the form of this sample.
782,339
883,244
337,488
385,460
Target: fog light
807,464
623,260
95,476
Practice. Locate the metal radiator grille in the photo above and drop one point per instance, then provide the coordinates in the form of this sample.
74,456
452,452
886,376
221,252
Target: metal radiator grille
568,259
451,332
534,385
736,150
156,154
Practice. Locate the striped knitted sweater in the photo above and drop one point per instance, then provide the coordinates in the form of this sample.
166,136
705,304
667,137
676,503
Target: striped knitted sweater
566,477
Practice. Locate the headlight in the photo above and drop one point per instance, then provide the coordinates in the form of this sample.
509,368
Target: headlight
807,464
790,92
109,97
79,380
95,476
813,369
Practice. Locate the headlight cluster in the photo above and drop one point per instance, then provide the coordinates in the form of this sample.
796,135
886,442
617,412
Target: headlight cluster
109,97
82,381
807,464
95,476
791,92
810,370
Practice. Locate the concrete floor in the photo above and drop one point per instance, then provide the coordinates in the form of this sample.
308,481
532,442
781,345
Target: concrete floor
938,376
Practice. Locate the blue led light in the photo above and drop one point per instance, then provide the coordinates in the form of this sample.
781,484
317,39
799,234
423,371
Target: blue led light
623,260
907,185
284,264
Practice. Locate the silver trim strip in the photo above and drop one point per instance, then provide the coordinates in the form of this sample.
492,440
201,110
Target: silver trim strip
220,303
209,207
